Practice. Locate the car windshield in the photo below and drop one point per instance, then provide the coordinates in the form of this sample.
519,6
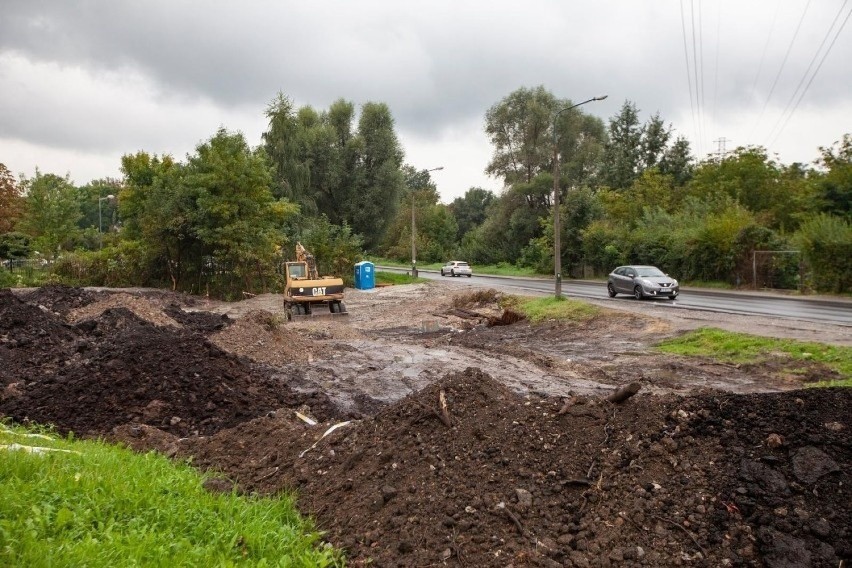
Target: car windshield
649,271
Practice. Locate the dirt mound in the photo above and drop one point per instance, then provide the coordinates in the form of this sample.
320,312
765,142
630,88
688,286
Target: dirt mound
262,337
145,308
200,322
657,481
129,370
32,339
60,298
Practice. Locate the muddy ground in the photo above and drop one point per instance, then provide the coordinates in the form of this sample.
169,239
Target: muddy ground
444,440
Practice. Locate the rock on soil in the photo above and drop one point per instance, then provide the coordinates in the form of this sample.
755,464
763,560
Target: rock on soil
499,477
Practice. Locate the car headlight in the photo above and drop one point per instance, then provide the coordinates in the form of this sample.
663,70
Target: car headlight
647,282
674,282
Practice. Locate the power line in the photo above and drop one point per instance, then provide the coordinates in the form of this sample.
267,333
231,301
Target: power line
783,63
695,72
688,73
766,46
801,96
716,71
701,64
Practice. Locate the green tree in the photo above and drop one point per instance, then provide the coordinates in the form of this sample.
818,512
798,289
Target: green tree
430,223
234,217
470,209
378,183
520,127
92,211
144,175
623,153
51,212
329,168
11,201
655,140
14,245
580,208
677,161
826,242
283,142
335,247
758,183
835,187
513,220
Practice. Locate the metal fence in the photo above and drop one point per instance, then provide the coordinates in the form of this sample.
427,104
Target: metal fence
26,267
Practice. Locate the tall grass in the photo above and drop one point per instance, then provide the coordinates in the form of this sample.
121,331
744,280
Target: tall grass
396,278
550,308
91,504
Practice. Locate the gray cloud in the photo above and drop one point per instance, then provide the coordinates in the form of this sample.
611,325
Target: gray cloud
436,64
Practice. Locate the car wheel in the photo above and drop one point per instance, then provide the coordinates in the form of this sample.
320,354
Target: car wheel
453,273
442,272
610,289
673,297
637,293
469,275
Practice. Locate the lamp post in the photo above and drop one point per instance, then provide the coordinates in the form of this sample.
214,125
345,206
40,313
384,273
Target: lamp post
100,222
557,230
414,229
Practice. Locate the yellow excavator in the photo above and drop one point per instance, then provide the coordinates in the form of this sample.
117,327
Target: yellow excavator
306,293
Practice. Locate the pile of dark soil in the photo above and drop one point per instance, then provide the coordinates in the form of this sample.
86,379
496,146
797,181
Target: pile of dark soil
496,479
118,368
32,340
200,322
60,298
705,480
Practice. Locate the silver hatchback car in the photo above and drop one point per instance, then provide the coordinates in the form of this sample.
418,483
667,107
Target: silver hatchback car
642,282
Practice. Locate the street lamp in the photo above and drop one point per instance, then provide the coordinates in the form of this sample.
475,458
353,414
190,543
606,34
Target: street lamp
414,229
100,222
557,230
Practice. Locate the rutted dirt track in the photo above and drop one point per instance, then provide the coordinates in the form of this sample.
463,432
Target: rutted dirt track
526,465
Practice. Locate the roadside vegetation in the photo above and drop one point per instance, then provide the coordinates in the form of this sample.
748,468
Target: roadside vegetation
501,269
222,221
562,309
86,503
741,348
396,278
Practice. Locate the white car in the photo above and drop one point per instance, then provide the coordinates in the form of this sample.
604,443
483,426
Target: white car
456,268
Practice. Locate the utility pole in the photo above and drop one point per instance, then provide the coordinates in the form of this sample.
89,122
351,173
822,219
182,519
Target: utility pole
557,229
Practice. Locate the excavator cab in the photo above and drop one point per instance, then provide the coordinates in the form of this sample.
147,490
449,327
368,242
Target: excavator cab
297,270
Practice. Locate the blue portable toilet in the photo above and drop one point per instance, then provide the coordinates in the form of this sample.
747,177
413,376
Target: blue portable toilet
365,275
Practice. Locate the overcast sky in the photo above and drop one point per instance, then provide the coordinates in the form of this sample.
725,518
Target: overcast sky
82,83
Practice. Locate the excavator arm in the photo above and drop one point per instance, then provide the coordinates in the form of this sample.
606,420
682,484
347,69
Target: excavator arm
302,255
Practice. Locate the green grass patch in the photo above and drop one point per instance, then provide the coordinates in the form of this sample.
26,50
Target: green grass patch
87,503
397,278
744,348
549,308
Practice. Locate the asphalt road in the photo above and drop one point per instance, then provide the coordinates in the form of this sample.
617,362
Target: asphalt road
836,311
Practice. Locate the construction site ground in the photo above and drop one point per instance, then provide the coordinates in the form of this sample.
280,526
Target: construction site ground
427,428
